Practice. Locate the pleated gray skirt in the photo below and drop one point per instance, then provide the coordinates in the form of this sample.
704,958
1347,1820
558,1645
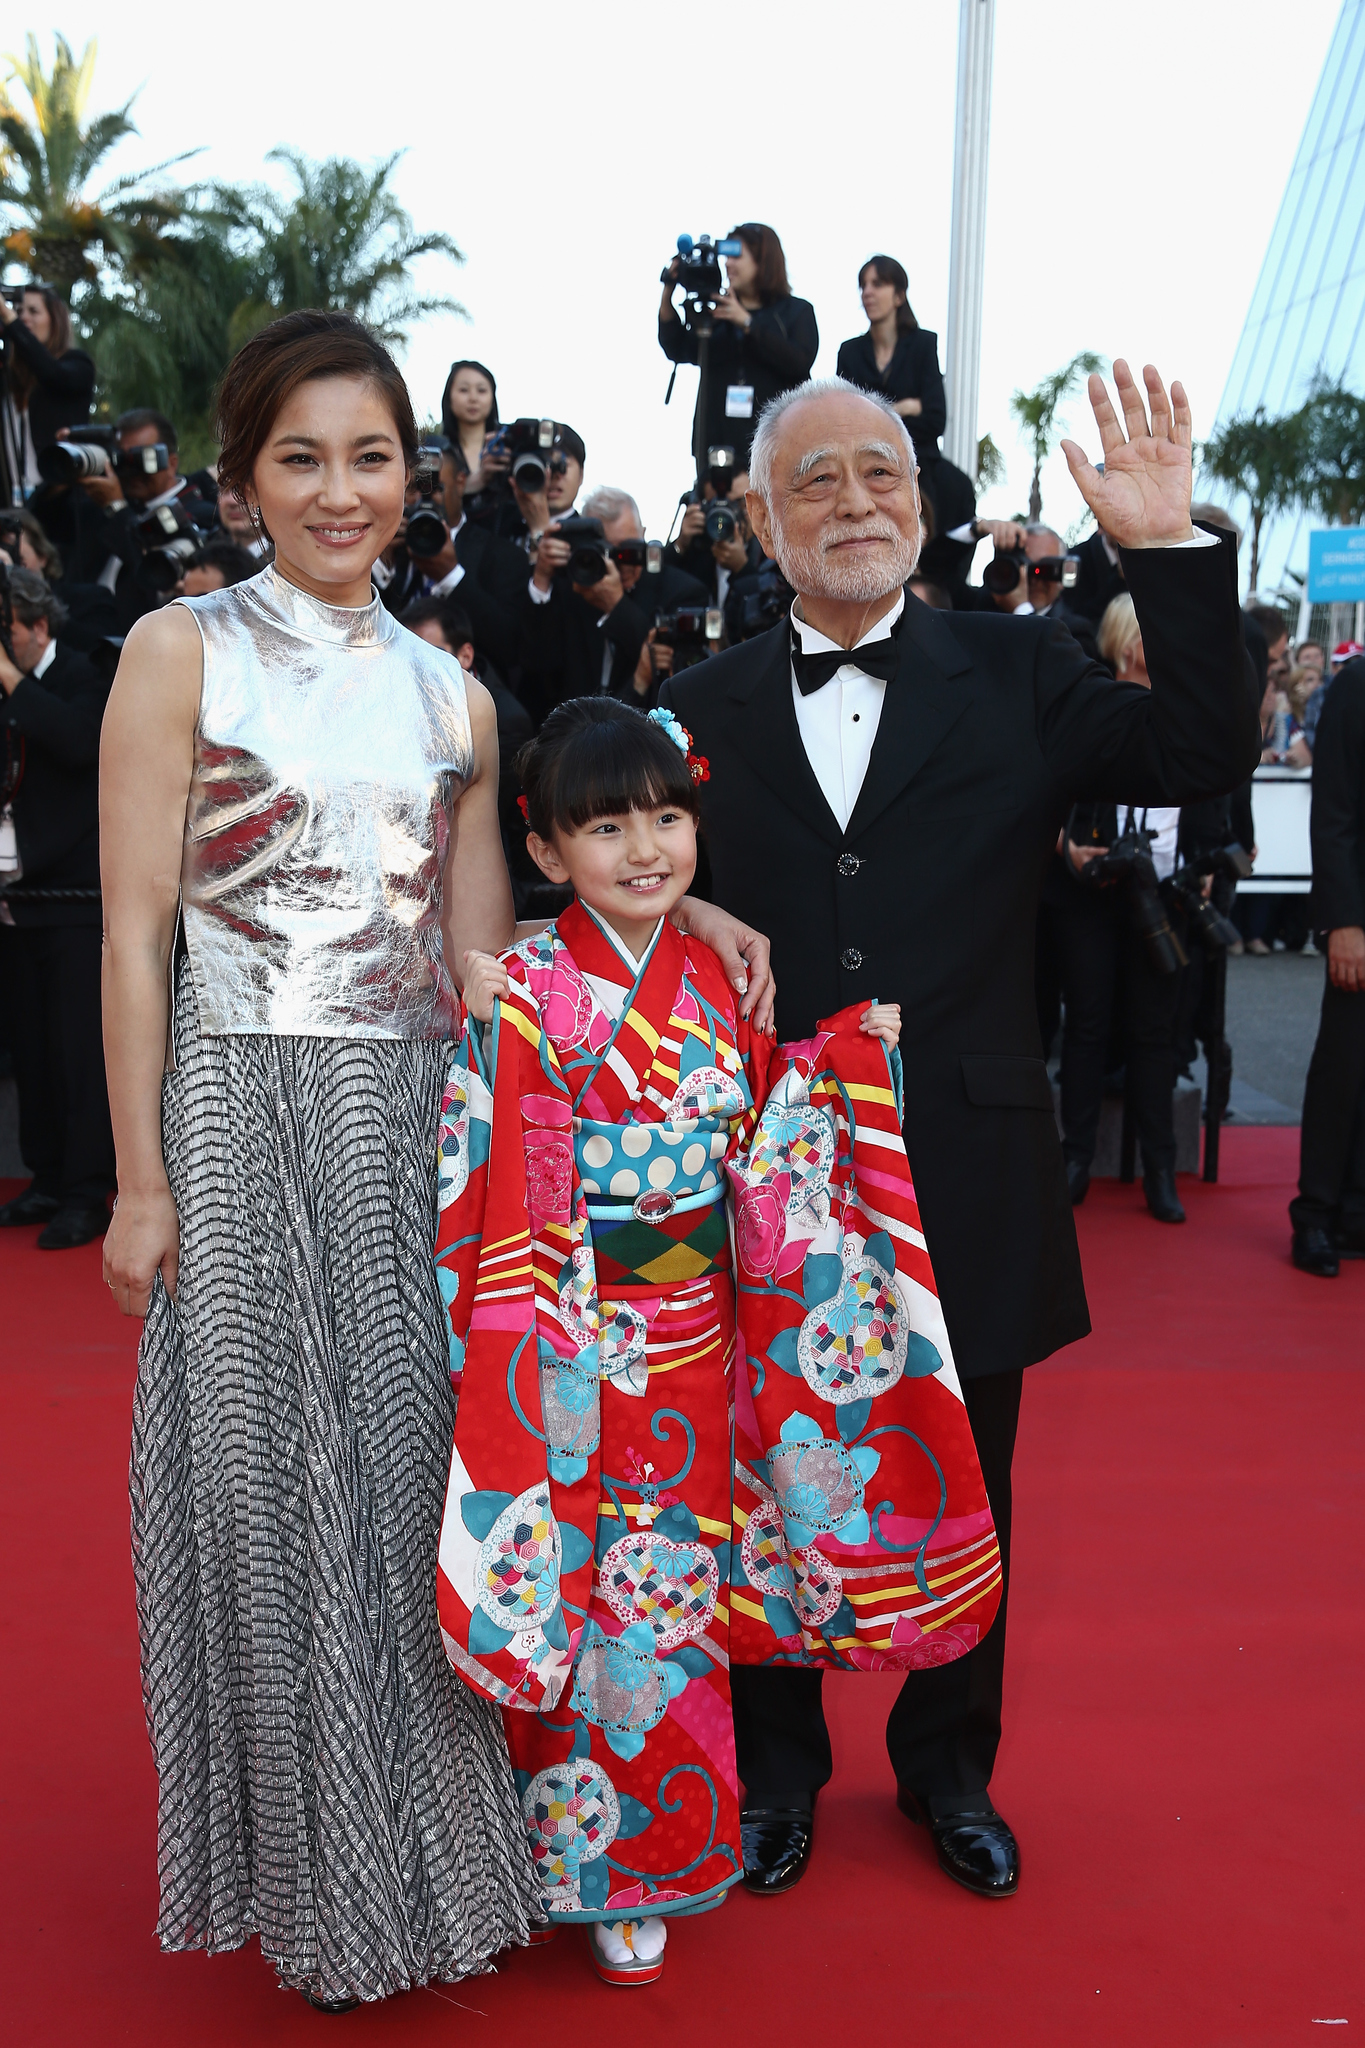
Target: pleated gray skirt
325,1781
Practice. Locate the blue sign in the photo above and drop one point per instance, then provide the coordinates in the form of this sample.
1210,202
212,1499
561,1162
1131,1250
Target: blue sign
1336,566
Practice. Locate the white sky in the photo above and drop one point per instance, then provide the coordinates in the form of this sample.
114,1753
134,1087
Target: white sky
1138,156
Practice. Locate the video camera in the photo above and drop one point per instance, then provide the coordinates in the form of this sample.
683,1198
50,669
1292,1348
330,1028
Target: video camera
98,453
1001,574
693,631
530,444
699,275
427,532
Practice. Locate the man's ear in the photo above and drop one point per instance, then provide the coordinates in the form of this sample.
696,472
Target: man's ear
545,854
759,523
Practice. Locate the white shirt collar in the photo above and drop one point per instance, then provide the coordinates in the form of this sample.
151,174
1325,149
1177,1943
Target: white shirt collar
813,642
45,661
152,504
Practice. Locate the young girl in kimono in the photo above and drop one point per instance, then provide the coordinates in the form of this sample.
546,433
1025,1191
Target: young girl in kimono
600,1566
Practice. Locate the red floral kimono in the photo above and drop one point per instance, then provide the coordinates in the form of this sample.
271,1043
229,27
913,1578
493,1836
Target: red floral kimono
645,1484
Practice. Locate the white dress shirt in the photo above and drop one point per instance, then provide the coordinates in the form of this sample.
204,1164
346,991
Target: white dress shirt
1163,822
839,723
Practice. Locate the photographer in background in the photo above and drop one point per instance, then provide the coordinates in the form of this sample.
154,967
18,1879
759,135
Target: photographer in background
469,420
763,340
22,538
1026,577
50,918
134,519
45,384
441,554
715,543
1118,958
896,357
444,623
591,605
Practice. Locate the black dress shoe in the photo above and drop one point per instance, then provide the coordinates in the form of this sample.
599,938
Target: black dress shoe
331,2004
775,1841
1315,1252
1162,1199
30,1207
70,1227
975,1849
1077,1181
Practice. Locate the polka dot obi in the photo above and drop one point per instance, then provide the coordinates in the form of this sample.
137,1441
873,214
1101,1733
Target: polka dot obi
656,1198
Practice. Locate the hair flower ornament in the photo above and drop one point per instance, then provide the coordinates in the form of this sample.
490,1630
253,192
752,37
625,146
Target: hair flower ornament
524,807
698,767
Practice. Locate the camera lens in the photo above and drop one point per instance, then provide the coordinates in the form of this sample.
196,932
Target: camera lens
1001,573
528,472
427,532
64,462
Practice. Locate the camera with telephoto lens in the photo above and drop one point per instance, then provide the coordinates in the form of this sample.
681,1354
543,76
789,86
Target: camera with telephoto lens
98,453
1231,863
168,539
645,555
1128,865
587,540
427,532
1001,574
529,443
693,631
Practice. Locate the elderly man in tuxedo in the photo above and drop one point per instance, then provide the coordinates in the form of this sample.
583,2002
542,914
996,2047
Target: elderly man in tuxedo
887,783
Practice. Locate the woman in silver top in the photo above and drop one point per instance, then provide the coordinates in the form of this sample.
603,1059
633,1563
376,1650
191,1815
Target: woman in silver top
299,833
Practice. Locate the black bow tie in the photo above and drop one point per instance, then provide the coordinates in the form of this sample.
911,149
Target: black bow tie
813,671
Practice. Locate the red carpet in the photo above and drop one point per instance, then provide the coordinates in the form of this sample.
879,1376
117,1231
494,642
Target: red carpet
1182,1761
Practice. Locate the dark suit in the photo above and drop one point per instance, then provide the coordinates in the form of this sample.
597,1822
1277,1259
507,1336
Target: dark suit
912,372
50,943
88,534
773,353
1332,1145
490,591
563,641
989,731
60,397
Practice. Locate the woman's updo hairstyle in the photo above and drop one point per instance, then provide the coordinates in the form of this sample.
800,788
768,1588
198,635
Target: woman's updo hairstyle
299,348
594,757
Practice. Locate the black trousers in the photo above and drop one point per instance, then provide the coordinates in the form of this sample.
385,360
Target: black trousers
944,1729
50,977
1106,974
1332,1137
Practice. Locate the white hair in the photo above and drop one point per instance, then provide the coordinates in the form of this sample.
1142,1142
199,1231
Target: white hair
607,504
770,419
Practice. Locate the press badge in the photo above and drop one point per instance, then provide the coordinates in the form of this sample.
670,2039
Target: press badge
739,401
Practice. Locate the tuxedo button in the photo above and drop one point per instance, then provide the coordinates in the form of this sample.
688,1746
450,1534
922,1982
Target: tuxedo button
851,958
847,864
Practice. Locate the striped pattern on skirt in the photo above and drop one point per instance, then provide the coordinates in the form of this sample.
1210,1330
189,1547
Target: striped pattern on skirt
325,1781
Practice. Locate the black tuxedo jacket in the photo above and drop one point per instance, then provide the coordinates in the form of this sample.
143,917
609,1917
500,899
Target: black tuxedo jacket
991,728
1338,817
52,732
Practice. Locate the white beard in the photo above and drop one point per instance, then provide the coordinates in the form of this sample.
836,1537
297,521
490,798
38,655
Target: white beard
813,572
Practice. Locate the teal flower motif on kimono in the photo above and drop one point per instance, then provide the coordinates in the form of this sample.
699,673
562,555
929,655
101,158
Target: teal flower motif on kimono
621,1687
819,1484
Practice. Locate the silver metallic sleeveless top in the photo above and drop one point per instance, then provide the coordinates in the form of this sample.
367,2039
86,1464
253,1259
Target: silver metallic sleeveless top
330,744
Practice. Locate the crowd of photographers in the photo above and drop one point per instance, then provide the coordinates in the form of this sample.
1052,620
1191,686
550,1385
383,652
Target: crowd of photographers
546,593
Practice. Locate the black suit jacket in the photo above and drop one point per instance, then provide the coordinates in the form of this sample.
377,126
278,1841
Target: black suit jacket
52,733
989,731
912,372
1338,815
63,389
773,353
495,578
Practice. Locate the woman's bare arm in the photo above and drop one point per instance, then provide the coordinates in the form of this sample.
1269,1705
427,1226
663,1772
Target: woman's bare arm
477,914
146,761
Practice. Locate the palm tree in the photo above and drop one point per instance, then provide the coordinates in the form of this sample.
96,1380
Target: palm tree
1265,458
340,240
50,155
1333,452
1036,412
